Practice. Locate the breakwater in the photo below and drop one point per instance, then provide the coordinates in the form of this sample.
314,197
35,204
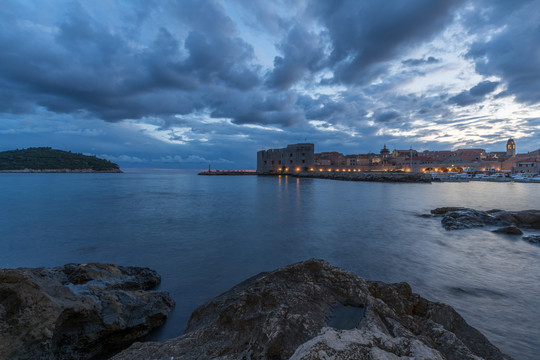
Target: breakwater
231,172
364,176
346,176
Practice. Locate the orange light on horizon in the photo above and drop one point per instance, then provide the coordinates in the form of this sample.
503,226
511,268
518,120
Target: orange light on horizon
297,169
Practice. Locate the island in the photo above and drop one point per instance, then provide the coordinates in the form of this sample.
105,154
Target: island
46,159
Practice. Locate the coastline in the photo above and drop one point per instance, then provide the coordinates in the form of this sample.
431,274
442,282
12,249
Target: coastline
78,171
346,176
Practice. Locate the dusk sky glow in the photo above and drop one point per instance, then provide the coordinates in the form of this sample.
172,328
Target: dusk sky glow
179,84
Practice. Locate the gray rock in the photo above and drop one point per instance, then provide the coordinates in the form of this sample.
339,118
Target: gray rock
299,312
444,210
77,311
533,239
466,219
455,218
509,230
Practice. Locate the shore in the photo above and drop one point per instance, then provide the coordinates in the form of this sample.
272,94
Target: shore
346,176
62,171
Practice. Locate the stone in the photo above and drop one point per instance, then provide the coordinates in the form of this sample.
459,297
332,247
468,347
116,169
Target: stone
529,218
465,219
298,312
444,210
455,218
509,230
77,311
533,239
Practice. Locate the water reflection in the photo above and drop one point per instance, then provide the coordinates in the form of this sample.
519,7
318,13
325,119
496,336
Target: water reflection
206,234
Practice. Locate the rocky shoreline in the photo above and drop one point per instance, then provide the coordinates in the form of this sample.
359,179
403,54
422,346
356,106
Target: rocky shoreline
507,222
77,311
62,171
305,311
314,310
369,176
346,176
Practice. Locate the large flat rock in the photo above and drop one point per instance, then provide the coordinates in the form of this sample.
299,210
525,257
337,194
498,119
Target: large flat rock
313,310
77,311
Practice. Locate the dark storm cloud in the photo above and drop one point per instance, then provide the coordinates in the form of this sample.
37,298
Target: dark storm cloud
386,116
475,94
84,66
418,62
303,54
512,52
365,35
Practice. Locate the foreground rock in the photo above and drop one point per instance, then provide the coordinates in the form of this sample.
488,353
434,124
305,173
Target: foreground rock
77,311
313,310
509,230
455,218
533,239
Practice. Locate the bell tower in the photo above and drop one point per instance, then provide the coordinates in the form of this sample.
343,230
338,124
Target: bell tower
510,148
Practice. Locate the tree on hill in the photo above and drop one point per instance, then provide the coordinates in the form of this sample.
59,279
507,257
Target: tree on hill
45,158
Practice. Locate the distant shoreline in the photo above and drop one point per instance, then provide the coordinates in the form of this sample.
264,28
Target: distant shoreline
61,171
347,176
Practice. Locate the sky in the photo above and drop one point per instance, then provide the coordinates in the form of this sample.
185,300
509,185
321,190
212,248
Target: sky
187,83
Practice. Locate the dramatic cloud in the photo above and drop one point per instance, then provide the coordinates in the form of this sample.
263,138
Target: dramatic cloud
475,94
190,82
417,62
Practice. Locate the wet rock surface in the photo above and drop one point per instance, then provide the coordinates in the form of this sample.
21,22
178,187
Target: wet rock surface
300,312
509,230
533,239
77,311
456,218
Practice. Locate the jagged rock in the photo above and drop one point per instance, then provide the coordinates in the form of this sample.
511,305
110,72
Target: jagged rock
509,230
77,311
313,310
533,239
455,218
466,219
528,218
444,210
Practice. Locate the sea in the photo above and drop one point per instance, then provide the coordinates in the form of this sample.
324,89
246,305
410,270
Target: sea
204,234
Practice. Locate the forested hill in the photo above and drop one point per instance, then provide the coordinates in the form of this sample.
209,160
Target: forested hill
46,158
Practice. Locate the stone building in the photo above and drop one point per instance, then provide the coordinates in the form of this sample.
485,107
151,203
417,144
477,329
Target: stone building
530,166
510,148
301,157
293,158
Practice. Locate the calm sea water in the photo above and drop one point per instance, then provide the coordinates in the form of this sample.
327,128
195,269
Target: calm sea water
206,234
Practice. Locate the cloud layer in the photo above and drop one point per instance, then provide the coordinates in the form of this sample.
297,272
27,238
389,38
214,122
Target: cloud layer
197,80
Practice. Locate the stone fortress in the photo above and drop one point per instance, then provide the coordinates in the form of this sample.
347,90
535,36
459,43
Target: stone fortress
302,158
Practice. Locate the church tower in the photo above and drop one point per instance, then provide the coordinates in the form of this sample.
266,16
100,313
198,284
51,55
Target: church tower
510,148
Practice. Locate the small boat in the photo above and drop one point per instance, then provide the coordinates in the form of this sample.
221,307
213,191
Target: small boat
499,177
522,178
478,177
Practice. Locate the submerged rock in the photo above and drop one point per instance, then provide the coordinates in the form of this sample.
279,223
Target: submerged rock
509,230
313,310
77,311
